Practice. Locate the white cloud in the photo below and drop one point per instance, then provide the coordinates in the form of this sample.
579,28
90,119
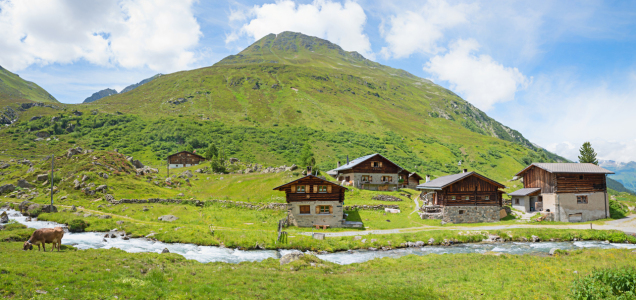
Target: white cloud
420,31
339,23
479,79
128,33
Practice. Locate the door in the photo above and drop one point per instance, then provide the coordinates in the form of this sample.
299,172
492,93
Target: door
532,202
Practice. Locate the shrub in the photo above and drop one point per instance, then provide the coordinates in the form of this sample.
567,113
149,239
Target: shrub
607,283
77,225
13,225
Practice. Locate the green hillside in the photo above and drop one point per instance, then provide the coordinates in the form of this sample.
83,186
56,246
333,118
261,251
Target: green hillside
286,91
15,89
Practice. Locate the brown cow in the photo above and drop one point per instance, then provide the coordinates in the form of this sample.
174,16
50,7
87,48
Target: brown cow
43,236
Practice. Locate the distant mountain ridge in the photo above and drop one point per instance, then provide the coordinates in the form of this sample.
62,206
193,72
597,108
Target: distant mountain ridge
15,89
99,95
625,172
109,92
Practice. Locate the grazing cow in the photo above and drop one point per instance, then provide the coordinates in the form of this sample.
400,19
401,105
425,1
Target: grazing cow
43,236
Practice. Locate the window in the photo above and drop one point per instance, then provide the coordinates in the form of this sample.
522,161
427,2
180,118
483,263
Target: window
387,178
461,212
305,210
453,198
322,189
581,177
365,178
323,209
581,199
375,164
516,201
466,197
486,197
300,189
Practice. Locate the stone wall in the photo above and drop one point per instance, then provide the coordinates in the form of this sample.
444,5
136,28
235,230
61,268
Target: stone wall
308,220
371,207
471,214
431,216
258,206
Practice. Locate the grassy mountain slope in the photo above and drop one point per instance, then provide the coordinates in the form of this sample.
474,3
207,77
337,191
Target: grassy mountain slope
283,92
15,89
625,173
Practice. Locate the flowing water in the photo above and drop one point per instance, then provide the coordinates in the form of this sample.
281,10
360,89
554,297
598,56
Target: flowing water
95,240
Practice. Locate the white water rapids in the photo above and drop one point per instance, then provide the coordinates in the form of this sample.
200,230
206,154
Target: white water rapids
204,254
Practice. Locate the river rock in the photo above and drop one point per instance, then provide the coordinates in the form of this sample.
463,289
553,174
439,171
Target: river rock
553,250
287,258
4,218
165,250
535,239
168,218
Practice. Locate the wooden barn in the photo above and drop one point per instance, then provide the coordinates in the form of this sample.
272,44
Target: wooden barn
184,159
466,197
315,202
573,192
375,172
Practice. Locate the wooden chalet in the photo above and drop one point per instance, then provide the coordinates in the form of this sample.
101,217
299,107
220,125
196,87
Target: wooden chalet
314,201
464,189
184,159
375,172
574,192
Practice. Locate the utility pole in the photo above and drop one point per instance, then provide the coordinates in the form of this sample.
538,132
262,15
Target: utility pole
168,166
52,169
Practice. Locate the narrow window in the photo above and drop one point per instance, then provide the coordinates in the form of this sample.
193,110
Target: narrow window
581,177
516,201
466,197
300,189
322,189
305,210
376,164
486,197
581,199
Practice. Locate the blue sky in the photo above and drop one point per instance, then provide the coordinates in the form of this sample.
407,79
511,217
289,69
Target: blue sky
560,72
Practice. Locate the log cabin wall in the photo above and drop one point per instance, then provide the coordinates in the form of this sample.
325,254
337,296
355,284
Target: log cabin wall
184,158
337,192
479,192
367,166
577,183
539,178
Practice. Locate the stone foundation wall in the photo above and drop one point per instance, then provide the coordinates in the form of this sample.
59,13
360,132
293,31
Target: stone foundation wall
431,216
471,214
258,206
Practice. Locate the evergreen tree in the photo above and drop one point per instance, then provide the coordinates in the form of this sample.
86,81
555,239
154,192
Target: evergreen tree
211,152
189,148
587,154
307,157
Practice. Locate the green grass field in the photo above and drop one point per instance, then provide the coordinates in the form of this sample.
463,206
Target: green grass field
104,274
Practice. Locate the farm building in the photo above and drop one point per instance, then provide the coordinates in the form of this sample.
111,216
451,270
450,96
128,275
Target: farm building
375,172
466,197
314,201
571,192
184,159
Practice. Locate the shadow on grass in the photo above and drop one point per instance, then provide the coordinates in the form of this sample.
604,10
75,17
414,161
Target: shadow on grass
354,216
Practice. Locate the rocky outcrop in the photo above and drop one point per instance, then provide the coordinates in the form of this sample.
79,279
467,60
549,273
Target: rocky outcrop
382,197
168,218
99,95
42,177
7,188
73,151
287,258
4,218
146,170
24,184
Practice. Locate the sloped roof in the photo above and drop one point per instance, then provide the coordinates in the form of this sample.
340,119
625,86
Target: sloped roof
360,160
524,192
299,179
444,181
188,153
579,168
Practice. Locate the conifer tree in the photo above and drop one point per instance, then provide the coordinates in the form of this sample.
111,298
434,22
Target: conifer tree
211,152
587,154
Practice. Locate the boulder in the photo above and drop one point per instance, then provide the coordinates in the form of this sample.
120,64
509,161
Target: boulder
24,184
109,198
42,177
553,250
34,210
165,250
24,205
431,241
76,184
102,188
168,218
535,239
4,218
7,188
187,174
49,209
137,163
119,222
35,118
287,258
105,217
73,208
84,177
233,160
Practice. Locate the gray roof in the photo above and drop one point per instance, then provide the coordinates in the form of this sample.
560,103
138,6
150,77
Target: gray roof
524,192
444,181
581,168
360,160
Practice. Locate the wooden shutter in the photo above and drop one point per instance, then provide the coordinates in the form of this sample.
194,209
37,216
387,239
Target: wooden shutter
330,209
380,164
328,188
317,209
293,189
315,189
372,164
307,189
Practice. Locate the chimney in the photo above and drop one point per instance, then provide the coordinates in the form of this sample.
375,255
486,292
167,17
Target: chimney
309,170
338,164
347,158
465,171
428,178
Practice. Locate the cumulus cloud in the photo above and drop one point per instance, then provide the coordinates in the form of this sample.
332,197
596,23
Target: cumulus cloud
339,23
129,33
479,79
420,31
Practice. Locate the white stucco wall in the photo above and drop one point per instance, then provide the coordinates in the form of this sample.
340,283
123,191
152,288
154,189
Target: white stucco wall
524,204
174,166
596,208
